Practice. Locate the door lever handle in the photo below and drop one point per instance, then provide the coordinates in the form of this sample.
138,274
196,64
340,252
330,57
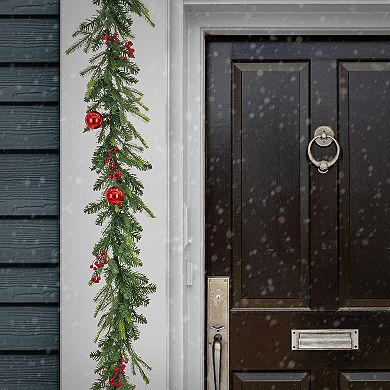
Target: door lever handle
218,333
217,354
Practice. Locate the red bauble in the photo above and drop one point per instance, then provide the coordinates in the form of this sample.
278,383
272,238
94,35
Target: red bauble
93,120
114,195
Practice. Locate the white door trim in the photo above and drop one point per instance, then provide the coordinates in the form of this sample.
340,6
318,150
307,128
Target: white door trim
190,21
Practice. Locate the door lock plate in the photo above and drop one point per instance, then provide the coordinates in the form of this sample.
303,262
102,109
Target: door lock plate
218,330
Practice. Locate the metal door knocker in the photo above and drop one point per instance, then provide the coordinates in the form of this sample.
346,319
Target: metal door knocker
323,136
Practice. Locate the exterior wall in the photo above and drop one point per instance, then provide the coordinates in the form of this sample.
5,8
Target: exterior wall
29,194
78,230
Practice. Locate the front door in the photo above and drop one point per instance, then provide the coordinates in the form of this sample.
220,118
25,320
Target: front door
305,246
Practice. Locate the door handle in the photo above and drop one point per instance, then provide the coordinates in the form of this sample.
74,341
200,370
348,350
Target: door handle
218,333
323,136
217,355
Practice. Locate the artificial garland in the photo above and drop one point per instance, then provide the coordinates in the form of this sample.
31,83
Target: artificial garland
111,96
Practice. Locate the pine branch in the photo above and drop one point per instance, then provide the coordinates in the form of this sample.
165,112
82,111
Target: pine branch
110,90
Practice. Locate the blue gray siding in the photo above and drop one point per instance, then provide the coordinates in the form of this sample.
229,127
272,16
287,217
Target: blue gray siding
29,194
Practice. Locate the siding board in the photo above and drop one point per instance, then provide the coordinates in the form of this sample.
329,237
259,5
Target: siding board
29,127
29,285
29,328
29,40
29,184
29,372
29,241
29,7
29,84
29,194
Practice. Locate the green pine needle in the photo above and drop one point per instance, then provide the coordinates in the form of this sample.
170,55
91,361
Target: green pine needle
110,90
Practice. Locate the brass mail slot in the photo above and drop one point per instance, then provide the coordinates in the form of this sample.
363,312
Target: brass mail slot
324,339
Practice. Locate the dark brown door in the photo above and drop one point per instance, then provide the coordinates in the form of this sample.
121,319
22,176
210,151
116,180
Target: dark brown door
303,250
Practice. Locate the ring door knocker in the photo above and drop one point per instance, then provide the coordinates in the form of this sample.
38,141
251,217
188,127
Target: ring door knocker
323,136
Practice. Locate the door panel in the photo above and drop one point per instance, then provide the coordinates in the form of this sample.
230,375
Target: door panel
365,183
364,380
304,250
271,381
270,230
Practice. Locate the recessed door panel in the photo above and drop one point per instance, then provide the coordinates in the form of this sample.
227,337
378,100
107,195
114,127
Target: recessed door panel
271,381
365,183
270,184
365,380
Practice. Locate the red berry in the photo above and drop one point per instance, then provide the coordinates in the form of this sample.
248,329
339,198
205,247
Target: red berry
104,252
109,150
91,266
116,148
123,58
110,176
119,384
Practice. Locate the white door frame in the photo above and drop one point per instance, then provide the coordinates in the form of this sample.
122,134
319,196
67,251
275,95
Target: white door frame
190,21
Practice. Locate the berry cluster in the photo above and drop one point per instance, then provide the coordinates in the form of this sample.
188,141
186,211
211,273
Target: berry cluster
113,164
100,261
110,38
127,50
119,369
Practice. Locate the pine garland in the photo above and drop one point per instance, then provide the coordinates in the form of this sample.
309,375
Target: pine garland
110,91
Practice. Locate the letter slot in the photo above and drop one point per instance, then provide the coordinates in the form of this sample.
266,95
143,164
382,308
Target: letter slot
324,339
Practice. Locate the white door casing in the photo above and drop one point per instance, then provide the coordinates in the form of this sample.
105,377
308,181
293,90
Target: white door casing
189,22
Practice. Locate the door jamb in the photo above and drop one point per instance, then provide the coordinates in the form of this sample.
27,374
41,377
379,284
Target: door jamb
189,23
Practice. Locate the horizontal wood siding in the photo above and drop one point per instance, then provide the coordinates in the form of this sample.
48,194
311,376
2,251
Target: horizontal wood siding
29,285
38,373
29,194
29,127
29,40
29,7
29,241
26,328
29,184
25,84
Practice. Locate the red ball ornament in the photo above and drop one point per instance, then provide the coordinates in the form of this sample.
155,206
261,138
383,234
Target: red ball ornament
93,120
114,195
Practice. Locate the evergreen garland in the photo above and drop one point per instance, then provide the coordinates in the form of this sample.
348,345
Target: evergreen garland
110,91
